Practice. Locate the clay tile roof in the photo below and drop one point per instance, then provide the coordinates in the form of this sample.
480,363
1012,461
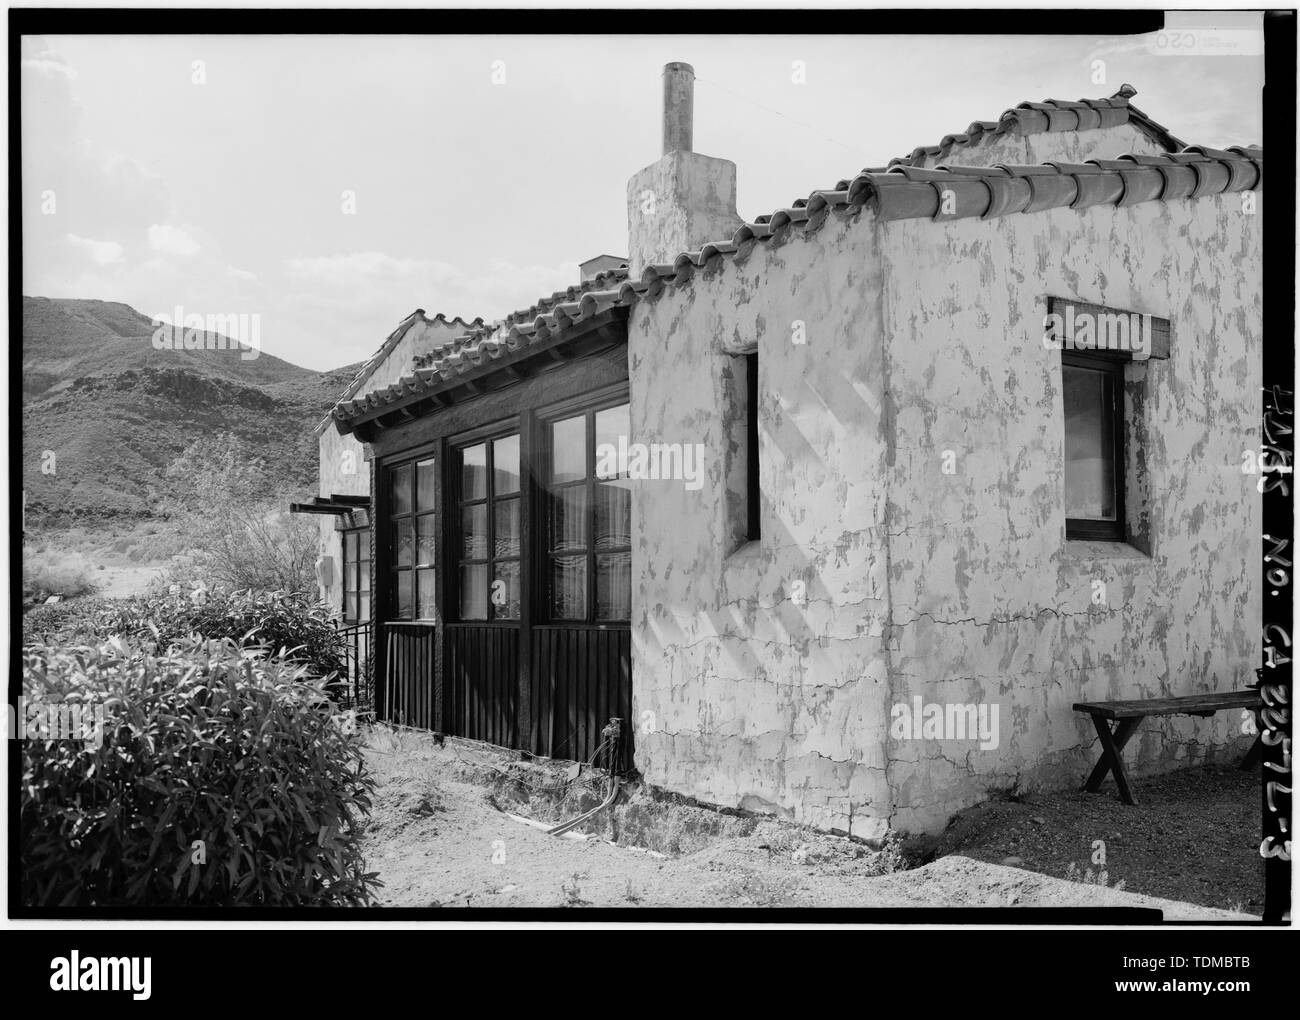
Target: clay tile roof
484,343
909,192
373,362
524,322
900,191
1050,115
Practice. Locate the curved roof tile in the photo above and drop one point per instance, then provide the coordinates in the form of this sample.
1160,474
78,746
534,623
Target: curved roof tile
1050,115
897,193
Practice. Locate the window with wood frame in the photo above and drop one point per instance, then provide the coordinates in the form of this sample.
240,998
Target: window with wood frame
412,541
588,554
488,529
1094,447
356,575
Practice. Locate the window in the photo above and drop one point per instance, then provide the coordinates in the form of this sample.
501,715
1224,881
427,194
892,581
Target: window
1094,447
356,575
751,446
488,538
412,540
589,524
739,378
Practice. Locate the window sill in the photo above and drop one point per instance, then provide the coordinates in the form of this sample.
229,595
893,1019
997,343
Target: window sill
751,551
1079,550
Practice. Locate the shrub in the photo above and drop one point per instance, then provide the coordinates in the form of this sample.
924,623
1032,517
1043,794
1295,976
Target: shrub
205,742
233,509
50,572
296,623
64,623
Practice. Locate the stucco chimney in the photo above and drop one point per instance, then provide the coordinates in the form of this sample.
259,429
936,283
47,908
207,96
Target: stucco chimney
685,199
679,107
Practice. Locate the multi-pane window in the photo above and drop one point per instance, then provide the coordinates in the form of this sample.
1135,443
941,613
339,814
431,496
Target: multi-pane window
488,536
589,535
356,575
413,540
1094,435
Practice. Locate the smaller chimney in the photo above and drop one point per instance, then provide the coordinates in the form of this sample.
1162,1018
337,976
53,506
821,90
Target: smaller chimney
679,107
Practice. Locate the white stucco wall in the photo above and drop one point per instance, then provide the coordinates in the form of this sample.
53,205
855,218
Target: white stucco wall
922,338
762,698
988,601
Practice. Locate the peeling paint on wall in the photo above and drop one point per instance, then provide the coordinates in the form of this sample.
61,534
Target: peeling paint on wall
947,578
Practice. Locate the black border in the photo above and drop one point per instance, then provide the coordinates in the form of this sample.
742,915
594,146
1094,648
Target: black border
1278,404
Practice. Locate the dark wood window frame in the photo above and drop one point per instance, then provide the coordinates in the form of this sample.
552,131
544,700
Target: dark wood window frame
354,570
588,405
394,574
488,437
1111,369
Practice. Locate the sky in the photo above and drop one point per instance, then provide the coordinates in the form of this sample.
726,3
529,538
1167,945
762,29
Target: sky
331,185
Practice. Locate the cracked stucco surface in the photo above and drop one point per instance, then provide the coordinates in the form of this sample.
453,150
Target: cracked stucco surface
956,587
760,701
988,603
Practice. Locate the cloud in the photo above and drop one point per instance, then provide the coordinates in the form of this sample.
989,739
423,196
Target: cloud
102,253
107,194
347,269
49,63
243,275
374,279
170,240
338,308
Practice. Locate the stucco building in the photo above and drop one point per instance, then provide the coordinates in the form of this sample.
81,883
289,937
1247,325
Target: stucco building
953,441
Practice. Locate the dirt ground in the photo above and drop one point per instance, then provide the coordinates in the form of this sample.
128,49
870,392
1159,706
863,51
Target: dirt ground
450,828
118,582
1192,836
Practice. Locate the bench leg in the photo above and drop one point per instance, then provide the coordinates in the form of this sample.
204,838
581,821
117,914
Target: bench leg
1112,746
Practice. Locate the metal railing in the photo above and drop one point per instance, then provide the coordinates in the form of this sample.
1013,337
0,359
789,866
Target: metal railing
358,657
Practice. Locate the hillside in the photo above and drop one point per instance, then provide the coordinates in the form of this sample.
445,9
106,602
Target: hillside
115,411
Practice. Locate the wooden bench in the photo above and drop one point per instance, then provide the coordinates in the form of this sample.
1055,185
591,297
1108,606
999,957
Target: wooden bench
1128,715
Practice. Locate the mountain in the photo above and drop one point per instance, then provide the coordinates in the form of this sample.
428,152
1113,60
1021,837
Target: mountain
115,411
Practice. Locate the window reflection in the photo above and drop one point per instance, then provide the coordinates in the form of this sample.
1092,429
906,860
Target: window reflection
1089,446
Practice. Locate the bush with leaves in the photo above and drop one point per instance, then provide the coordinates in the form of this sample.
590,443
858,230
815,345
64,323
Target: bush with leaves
65,623
223,778
50,571
298,624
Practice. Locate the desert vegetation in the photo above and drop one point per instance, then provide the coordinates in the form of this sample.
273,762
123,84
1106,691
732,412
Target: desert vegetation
220,771
61,572
221,516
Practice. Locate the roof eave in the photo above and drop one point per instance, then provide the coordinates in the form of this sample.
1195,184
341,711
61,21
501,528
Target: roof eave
600,331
